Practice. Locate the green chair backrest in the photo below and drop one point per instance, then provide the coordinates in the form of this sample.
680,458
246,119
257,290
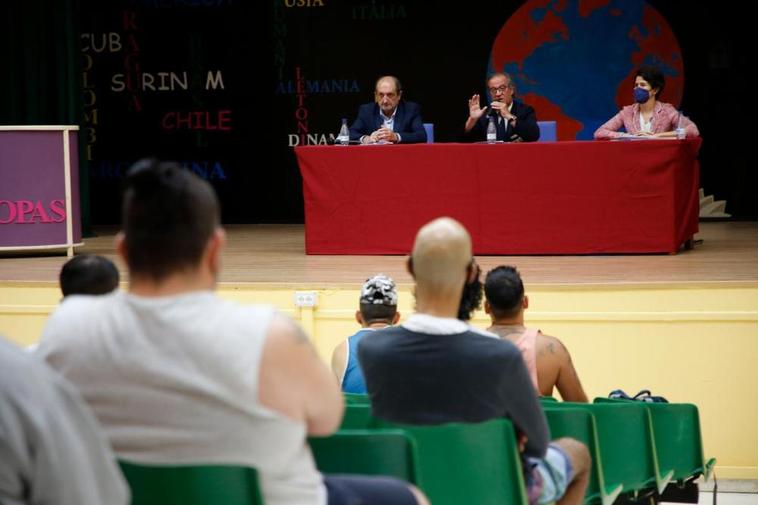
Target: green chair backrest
192,485
356,399
548,399
368,452
357,417
627,445
678,439
580,425
468,463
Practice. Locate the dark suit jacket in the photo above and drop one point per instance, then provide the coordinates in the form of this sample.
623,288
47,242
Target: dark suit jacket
526,126
408,123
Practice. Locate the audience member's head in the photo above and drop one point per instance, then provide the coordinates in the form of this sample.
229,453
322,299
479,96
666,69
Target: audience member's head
441,259
88,274
171,221
378,301
505,292
471,299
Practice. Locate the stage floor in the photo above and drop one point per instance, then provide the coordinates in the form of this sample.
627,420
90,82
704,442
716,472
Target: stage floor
275,255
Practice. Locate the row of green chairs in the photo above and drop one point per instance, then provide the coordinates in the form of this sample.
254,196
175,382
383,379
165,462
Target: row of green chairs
679,446
575,423
625,447
679,443
452,463
637,448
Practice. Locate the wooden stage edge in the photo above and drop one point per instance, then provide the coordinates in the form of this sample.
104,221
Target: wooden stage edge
274,255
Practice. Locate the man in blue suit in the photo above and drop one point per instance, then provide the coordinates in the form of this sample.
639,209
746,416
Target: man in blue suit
389,119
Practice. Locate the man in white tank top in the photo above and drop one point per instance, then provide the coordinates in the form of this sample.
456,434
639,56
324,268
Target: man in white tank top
177,375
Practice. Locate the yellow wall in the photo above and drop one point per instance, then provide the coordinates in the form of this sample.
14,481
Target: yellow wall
696,344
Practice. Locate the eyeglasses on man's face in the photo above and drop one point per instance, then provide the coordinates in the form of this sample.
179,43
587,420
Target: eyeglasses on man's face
501,89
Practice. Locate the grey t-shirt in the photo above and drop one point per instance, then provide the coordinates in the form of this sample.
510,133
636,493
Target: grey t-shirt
52,450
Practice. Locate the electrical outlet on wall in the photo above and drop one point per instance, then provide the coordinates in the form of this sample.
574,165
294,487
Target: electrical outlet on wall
306,298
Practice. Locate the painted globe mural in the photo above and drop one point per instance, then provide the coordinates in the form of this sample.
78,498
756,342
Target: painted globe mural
574,60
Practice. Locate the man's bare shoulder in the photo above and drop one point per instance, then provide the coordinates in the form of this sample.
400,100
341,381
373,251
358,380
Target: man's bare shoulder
549,346
284,330
287,343
339,357
340,351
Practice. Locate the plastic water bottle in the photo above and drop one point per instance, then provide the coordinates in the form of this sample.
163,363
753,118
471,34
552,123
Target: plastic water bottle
491,131
681,133
344,136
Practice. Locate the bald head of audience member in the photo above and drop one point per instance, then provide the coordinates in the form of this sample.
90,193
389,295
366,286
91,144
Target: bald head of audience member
441,263
88,274
171,235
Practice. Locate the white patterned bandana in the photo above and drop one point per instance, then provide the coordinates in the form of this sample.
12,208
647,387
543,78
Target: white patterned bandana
379,290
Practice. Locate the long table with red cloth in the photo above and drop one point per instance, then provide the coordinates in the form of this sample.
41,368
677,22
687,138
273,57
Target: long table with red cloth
576,197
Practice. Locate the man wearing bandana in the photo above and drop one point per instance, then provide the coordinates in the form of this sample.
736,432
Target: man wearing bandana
377,310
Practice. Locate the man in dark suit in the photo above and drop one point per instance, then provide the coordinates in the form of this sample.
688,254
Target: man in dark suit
389,119
515,121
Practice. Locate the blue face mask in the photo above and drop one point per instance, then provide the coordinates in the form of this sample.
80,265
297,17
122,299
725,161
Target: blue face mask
641,95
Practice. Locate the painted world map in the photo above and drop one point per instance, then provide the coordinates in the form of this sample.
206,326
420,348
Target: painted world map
574,60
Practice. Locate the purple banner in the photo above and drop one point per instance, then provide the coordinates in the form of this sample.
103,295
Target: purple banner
33,208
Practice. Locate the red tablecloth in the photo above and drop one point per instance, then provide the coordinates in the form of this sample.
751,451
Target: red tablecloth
538,198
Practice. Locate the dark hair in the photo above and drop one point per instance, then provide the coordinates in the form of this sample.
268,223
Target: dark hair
377,313
653,76
504,290
88,274
471,297
169,214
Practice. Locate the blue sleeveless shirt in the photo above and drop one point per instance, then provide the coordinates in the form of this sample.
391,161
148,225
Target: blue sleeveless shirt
353,381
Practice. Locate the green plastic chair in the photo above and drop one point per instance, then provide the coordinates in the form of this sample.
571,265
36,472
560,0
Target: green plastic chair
192,485
627,447
678,439
580,425
357,417
368,452
468,463
356,399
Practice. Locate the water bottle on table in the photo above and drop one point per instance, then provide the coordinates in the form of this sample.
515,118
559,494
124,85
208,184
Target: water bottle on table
344,135
491,131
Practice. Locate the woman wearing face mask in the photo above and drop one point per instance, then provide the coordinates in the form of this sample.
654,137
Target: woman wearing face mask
647,117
